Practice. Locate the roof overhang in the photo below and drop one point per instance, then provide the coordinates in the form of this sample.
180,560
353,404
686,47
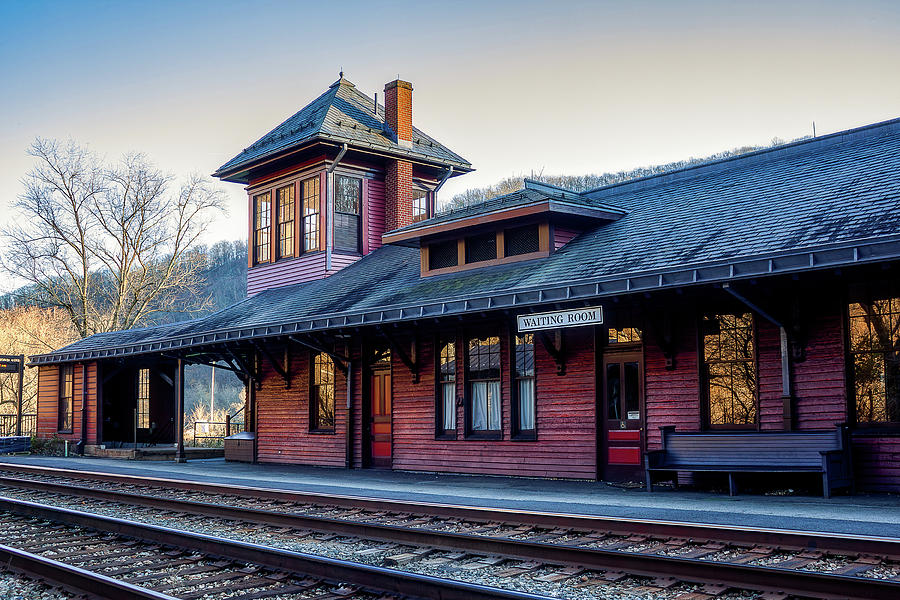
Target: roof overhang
240,173
831,256
555,210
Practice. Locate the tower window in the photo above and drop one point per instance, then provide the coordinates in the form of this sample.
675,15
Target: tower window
262,222
347,200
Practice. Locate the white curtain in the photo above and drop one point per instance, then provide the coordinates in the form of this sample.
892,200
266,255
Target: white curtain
479,405
494,406
526,404
449,407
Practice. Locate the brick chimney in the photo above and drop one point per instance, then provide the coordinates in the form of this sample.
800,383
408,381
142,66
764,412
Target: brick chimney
398,175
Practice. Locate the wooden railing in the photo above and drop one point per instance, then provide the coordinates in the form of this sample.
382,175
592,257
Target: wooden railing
213,433
8,424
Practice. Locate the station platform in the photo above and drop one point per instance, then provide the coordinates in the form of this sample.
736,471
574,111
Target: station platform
861,514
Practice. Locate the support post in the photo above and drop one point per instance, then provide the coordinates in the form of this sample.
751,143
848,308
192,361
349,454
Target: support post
348,438
179,411
20,398
84,397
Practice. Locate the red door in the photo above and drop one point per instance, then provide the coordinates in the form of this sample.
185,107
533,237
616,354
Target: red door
623,394
380,418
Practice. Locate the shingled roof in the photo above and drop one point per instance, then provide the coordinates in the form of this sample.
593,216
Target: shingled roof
828,202
342,114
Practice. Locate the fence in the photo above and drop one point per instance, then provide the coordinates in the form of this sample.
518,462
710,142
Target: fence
213,433
8,424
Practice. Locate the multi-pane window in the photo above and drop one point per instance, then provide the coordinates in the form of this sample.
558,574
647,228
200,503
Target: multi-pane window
483,373
285,197
262,231
524,383
310,193
875,355
624,335
347,201
419,205
729,358
66,398
446,401
322,393
143,398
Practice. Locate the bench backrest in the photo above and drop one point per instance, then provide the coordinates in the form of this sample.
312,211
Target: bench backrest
796,449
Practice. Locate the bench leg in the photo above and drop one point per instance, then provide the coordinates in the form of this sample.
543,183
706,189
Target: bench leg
649,481
732,488
826,488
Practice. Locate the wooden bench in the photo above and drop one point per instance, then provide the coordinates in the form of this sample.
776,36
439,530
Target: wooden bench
823,452
15,444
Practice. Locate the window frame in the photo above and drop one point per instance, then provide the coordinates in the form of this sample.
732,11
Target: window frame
704,379
315,396
279,221
517,432
312,216
440,341
427,198
258,229
66,371
357,214
139,389
470,432
871,427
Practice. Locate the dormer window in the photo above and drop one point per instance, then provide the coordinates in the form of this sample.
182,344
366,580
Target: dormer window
522,240
443,255
480,248
347,200
261,228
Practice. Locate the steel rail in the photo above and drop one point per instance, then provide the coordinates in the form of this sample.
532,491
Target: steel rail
888,547
74,579
391,581
655,565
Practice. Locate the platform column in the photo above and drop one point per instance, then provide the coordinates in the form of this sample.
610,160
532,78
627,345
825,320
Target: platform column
179,412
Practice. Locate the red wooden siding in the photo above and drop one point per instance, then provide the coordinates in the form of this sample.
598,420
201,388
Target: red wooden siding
876,463
48,403
562,236
671,397
286,272
566,444
283,434
375,213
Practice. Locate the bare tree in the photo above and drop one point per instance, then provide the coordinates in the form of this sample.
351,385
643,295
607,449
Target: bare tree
110,245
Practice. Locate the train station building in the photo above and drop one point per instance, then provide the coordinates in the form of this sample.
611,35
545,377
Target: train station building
544,333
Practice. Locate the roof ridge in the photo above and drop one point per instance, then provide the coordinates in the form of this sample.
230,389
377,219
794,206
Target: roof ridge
794,148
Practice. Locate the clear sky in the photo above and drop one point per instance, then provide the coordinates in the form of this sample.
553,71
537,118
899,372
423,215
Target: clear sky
563,87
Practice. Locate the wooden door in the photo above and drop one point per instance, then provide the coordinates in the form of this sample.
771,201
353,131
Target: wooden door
623,405
380,417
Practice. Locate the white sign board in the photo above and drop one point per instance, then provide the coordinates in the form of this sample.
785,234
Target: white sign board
576,317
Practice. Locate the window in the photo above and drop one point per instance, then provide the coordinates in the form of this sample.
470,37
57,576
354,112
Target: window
285,197
522,240
484,384
419,205
875,356
143,398
66,398
310,192
443,255
481,247
446,388
524,387
729,358
625,335
261,227
321,416
348,192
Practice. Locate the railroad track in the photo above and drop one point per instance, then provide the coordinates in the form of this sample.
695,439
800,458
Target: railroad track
117,559
777,564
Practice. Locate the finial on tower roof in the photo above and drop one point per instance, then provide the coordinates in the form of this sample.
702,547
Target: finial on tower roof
341,73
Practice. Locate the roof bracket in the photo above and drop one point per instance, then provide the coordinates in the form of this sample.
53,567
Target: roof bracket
245,367
283,369
555,348
408,359
342,362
